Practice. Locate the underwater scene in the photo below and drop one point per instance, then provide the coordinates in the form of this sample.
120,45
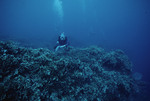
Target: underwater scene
74,50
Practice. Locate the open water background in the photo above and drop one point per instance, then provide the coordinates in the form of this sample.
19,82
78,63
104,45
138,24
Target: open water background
110,24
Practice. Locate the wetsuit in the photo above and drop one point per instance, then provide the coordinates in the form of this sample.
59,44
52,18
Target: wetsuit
62,42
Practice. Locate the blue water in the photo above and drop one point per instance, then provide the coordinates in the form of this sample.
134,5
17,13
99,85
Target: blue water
111,24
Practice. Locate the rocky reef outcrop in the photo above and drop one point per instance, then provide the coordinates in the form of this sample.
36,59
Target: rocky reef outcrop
83,74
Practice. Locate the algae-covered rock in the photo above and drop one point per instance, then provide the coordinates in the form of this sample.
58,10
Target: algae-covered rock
87,74
117,60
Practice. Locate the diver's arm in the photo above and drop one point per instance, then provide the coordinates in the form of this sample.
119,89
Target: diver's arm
57,42
57,48
62,46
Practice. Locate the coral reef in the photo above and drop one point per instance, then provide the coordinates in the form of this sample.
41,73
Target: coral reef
87,74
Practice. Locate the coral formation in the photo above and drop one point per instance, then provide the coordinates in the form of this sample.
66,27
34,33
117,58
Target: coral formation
87,74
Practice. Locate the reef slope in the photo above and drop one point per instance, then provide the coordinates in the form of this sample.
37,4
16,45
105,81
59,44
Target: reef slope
85,74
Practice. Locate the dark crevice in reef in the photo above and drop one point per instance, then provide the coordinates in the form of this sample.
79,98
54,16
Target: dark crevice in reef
87,74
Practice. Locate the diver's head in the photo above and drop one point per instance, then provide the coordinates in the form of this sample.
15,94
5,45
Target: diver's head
62,36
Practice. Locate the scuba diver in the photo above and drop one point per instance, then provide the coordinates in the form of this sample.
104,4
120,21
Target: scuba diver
62,42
